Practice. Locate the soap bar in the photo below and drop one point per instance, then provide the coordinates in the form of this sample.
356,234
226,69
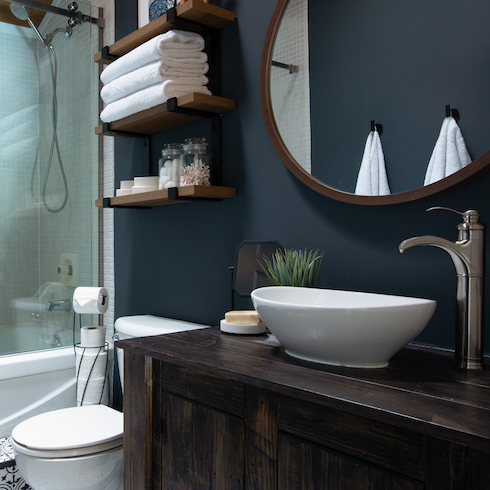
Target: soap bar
238,317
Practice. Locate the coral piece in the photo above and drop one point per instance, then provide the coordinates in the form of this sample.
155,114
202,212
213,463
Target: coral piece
196,174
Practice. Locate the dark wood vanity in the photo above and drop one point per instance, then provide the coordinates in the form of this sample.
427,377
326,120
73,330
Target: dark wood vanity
204,409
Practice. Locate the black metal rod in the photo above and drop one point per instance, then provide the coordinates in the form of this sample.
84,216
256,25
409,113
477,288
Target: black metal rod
57,10
291,68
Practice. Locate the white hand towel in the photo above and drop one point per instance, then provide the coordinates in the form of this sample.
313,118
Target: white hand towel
146,98
450,153
144,77
181,41
372,179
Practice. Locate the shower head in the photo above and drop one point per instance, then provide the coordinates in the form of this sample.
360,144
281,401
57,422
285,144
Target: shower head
23,13
20,11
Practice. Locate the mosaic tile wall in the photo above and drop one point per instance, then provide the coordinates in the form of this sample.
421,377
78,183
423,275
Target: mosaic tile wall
290,93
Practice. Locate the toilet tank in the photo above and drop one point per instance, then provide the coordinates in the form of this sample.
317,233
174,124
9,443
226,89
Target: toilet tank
128,327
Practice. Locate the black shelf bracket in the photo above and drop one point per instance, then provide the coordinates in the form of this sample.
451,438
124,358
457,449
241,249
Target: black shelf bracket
106,203
107,131
216,134
172,106
187,25
105,55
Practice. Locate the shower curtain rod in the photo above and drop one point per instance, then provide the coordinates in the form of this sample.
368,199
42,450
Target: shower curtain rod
59,11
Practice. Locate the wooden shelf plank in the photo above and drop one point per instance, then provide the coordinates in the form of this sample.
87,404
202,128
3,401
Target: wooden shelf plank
196,11
160,198
158,118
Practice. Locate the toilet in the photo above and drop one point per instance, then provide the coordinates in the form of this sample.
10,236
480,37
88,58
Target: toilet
71,448
81,448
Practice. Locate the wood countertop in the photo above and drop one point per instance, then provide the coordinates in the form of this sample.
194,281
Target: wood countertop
420,390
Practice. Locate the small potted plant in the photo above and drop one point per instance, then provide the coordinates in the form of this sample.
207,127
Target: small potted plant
293,267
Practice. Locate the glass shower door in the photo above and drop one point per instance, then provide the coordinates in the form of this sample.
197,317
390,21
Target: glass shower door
48,178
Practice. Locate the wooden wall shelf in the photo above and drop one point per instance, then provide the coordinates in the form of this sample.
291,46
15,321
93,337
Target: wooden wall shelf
192,15
159,117
168,196
195,11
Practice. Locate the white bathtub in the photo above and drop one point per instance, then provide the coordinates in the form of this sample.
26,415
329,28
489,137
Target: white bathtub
35,382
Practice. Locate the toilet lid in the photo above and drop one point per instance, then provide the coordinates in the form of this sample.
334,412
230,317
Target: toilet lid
70,428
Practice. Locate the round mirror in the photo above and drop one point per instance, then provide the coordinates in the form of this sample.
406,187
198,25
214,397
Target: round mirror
382,86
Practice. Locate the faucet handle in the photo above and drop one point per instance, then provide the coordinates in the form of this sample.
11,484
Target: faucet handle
470,216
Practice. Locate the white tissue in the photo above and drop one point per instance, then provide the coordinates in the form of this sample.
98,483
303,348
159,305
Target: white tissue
90,300
92,336
92,383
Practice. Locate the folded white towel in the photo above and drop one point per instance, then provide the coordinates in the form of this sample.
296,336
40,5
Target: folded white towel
181,41
144,77
146,98
372,179
450,153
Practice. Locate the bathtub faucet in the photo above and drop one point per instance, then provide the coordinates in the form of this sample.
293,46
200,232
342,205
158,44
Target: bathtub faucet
467,254
59,305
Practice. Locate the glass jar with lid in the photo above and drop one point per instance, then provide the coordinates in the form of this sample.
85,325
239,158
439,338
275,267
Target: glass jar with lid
169,165
195,163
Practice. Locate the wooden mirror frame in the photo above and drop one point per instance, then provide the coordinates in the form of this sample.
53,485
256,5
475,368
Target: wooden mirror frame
474,170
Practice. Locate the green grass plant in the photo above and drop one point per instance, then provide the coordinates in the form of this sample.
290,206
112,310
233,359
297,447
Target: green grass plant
293,267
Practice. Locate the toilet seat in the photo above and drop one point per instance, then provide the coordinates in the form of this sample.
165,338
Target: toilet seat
69,432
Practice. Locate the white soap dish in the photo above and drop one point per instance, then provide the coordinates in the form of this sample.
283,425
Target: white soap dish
242,328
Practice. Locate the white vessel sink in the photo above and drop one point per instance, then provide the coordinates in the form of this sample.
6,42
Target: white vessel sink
342,328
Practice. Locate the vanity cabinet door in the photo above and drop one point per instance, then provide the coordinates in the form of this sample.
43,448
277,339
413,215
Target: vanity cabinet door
304,465
200,447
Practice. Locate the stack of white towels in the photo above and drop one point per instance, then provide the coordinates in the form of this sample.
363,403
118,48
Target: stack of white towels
169,65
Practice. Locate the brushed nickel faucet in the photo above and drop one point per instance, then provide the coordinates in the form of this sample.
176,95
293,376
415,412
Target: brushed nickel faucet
467,254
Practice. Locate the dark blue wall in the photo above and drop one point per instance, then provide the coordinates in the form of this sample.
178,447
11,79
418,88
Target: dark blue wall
173,260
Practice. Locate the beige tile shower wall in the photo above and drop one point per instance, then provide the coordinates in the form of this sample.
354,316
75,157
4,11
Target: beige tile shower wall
290,93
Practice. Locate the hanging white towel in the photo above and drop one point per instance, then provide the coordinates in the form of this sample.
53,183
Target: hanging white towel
450,153
148,97
143,77
372,179
180,42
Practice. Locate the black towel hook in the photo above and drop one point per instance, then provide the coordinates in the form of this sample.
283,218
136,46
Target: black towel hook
376,127
454,113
